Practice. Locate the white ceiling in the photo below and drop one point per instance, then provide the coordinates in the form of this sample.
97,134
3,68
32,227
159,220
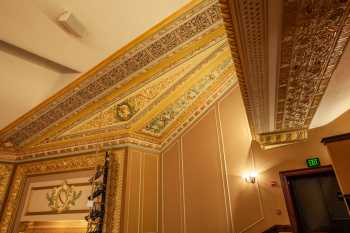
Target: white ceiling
111,24
31,26
336,100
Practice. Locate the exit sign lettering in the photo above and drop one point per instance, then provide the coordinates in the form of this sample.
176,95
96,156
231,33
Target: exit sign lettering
313,162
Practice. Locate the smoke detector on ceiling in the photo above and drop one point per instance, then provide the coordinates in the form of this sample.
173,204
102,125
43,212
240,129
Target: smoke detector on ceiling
71,24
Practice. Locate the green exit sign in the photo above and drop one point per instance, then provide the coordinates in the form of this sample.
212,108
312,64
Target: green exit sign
313,162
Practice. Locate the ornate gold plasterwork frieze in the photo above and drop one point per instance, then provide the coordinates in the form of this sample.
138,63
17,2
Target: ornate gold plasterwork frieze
248,20
119,68
115,192
108,143
83,162
123,110
201,44
228,14
67,136
160,122
271,139
315,34
6,171
141,101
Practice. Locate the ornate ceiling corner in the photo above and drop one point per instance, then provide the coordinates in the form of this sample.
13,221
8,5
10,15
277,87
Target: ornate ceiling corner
245,23
273,139
314,38
153,49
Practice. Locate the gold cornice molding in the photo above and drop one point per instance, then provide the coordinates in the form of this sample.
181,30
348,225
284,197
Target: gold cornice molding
75,163
247,22
231,26
278,138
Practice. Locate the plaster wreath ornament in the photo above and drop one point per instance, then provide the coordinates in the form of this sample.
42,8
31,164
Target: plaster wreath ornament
124,111
62,197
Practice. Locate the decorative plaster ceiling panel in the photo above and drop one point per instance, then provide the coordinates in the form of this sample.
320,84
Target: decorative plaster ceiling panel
133,104
180,91
313,38
124,112
144,95
121,67
251,18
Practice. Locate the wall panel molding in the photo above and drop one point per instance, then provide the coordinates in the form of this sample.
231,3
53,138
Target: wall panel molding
224,172
182,187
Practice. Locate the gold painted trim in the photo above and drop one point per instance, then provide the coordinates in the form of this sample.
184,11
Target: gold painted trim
6,174
54,212
231,28
271,139
54,186
115,191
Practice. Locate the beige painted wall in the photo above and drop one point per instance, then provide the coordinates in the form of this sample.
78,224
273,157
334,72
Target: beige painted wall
141,192
202,188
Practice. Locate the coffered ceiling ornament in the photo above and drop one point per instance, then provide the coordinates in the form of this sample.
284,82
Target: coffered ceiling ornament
310,43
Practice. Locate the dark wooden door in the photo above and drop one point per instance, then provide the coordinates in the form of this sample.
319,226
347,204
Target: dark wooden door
314,201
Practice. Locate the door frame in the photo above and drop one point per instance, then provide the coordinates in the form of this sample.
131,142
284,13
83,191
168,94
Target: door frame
285,175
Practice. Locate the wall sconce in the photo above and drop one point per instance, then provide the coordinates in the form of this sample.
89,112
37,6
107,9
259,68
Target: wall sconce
250,177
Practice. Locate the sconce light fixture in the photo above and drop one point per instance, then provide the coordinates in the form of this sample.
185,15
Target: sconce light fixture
250,177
